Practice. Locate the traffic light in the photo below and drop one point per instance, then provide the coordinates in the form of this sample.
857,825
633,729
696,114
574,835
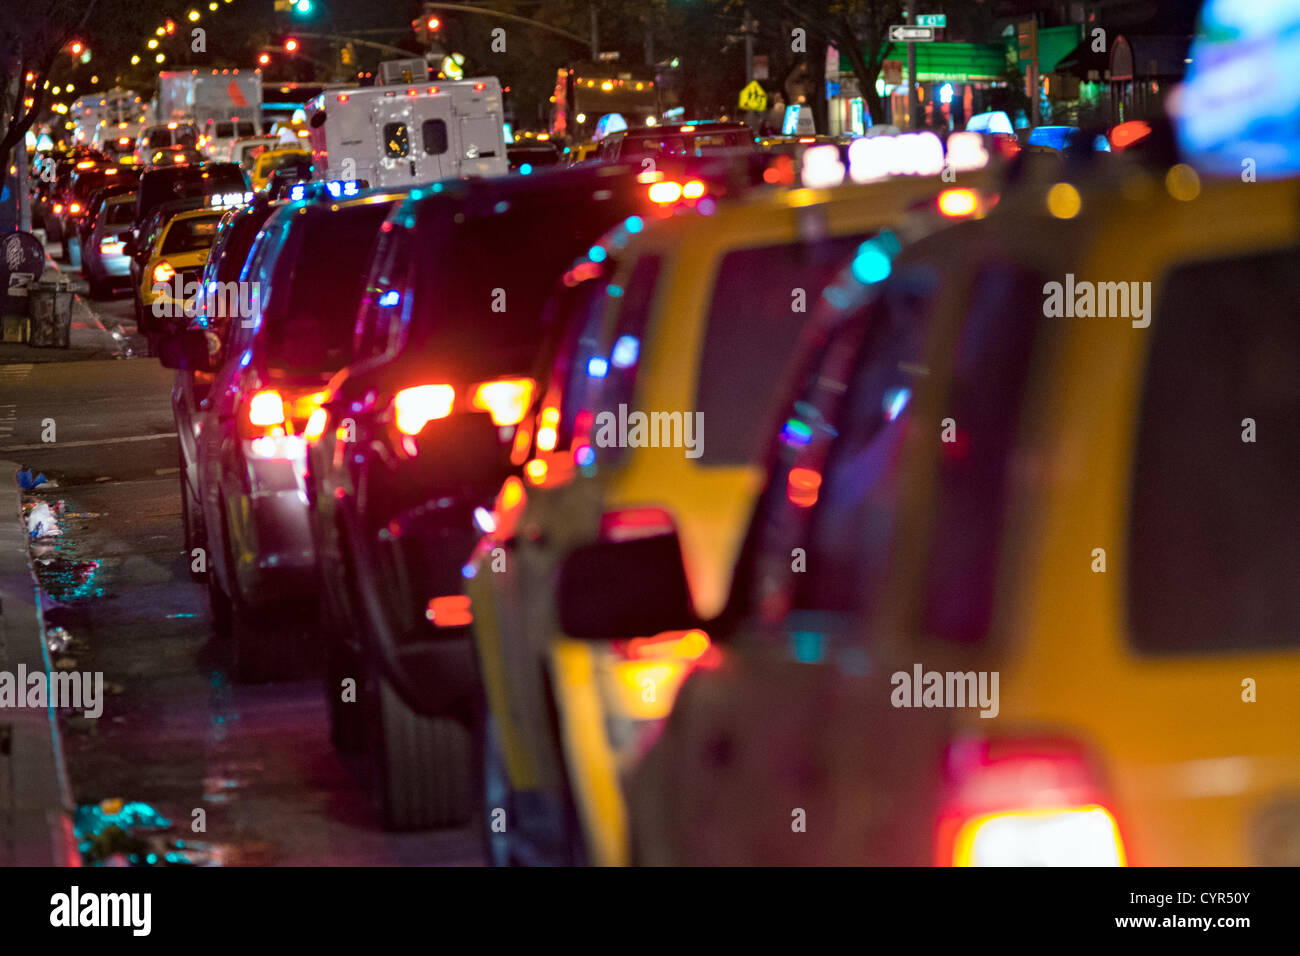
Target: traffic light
77,47
302,6
290,45
264,59
426,26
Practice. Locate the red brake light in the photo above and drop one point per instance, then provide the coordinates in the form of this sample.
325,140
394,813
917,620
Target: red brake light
74,209
452,610
1025,803
163,273
635,523
665,192
958,202
507,400
315,426
266,409
678,645
803,485
415,407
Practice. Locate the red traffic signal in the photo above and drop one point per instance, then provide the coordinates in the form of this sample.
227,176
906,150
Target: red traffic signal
291,45
264,59
77,47
432,24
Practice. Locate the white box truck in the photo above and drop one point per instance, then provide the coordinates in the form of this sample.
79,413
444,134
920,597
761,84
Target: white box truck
208,96
409,133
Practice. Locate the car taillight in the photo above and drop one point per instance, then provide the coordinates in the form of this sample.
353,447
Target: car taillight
163,273
1025,803
958,202
676,645
693,189
506,400
452,610
415,407
665,192
74,209
315,426
58,208
110,247
266,408
631,523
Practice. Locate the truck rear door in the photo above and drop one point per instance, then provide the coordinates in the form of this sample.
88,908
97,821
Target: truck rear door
435,140
396,127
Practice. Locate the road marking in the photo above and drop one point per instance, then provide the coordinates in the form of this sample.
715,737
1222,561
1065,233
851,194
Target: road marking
13,374
58,445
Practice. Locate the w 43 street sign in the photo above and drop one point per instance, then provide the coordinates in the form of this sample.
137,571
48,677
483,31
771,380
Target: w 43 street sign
931,20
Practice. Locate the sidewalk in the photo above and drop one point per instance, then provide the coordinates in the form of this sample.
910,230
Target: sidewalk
35,802
88,337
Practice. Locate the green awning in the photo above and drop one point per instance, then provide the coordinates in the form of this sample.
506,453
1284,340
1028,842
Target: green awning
1054,45
961,62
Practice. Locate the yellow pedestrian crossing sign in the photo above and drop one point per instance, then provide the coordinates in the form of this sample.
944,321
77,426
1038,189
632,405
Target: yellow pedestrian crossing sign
753,97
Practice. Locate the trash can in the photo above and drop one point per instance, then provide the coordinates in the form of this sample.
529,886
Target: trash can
51,313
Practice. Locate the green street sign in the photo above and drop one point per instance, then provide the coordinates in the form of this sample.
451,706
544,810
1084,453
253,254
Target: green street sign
932,20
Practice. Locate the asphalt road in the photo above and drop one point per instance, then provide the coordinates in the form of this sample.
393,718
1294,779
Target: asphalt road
176,733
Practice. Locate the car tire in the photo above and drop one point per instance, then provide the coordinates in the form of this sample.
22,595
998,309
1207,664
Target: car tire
190,521
264,645
422,765
347,719
219,601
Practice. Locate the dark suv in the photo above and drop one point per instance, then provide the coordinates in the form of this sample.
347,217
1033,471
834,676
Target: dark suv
417,436
270,375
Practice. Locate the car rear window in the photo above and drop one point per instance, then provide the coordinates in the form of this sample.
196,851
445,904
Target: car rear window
158,138
311,331
191,235
187,182
482,308
1214,531
991,367
753,329
121,213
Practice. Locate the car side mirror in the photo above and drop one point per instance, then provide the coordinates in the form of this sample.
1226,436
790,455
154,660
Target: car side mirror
625,589
188,349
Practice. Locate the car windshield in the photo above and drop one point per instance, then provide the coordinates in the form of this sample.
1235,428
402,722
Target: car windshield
311,331
191,234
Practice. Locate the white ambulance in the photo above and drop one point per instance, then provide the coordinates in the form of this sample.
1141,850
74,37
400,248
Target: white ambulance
398,134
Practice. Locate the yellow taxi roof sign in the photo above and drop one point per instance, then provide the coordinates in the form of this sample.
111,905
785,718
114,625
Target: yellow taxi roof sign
753,97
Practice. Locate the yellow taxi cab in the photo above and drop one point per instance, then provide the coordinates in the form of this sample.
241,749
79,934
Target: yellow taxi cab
173,260
680,334
268,161
1146,606
1070,558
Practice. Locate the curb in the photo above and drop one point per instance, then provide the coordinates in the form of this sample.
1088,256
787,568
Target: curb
35,800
